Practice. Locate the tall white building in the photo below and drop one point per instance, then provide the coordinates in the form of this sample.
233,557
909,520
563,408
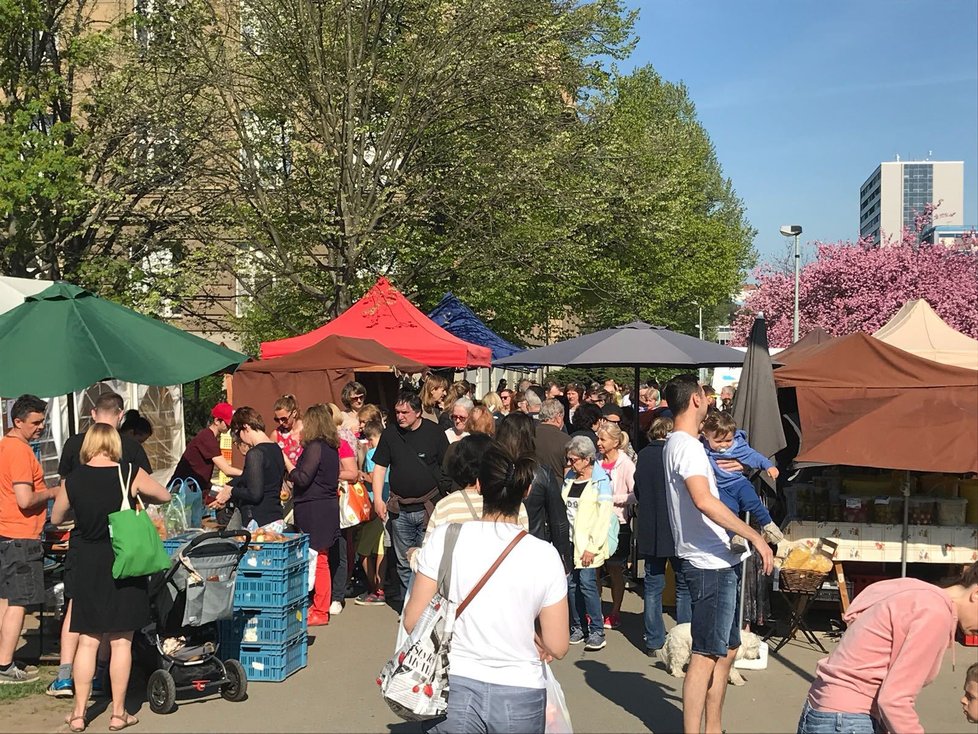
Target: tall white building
898,190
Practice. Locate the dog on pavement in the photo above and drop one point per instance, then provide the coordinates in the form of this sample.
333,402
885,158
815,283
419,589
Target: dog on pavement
678,648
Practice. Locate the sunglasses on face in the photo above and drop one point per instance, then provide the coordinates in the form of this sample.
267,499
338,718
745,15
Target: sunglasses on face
283,420
356,397
458,418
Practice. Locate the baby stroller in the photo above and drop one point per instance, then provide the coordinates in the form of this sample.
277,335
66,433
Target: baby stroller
178,651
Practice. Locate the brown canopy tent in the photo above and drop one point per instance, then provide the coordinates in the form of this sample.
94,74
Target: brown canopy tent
317,374
814,338
865,403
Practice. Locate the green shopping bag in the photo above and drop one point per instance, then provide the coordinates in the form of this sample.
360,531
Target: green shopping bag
136,544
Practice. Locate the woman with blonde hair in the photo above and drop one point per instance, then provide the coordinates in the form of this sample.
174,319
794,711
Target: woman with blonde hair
103,606
480,420
495,405
433,392
368,413
349,472
316,503
615,460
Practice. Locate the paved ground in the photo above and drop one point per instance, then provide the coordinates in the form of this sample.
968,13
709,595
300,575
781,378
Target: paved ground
615,690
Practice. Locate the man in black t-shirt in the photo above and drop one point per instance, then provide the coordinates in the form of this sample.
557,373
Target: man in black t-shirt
413,449
108,410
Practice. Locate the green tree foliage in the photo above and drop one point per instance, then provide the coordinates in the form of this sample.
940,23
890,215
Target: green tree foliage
104,128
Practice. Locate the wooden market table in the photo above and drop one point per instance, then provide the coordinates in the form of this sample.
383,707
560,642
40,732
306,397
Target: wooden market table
956,545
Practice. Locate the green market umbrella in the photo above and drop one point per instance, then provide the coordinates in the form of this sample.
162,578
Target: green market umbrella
65,339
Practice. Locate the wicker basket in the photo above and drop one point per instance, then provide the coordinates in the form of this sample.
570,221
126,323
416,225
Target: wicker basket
800,581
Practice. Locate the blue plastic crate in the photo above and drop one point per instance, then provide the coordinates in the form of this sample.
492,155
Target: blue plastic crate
264,626
271,589
272,663
172,545
276,556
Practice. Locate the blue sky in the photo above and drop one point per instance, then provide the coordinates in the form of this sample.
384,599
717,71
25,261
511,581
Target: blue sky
804,98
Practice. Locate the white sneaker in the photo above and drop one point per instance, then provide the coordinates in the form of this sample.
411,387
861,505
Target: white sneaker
336,607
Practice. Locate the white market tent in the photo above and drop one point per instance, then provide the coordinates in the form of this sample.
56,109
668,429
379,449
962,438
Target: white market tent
916,328
162,406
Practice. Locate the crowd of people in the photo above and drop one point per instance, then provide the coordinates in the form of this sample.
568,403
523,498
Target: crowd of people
546,473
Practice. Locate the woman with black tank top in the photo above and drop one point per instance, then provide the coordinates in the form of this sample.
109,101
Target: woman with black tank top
256,492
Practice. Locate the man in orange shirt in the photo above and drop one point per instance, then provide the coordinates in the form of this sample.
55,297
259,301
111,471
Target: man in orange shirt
23,508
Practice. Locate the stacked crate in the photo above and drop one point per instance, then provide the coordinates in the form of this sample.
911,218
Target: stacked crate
267,632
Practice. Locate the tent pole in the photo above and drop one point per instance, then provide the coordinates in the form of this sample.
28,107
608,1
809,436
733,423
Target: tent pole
635,406
906,525
72,425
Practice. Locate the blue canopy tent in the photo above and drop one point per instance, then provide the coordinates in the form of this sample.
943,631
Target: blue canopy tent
458,319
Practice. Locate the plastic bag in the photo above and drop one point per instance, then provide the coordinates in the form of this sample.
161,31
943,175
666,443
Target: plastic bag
558,717
313,556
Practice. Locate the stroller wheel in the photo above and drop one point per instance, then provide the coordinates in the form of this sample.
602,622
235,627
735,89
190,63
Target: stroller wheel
236,689
161,692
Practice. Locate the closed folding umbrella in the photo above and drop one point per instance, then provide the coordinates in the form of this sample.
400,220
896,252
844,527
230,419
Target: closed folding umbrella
65,339
755,405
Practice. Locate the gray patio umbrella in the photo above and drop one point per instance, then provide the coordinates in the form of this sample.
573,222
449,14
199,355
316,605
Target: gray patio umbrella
756,411
636,345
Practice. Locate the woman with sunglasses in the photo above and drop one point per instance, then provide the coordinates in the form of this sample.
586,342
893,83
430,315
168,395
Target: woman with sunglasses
288,427
353,398
459,416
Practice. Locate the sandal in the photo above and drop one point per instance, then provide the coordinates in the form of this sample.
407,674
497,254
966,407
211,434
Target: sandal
126,720
70,721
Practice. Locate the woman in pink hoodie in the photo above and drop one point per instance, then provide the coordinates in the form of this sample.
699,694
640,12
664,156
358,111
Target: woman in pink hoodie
897,634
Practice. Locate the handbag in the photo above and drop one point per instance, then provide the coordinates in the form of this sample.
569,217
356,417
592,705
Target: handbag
355,504
414,682
136,545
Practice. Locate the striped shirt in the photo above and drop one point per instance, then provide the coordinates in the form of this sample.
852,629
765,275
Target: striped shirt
454,508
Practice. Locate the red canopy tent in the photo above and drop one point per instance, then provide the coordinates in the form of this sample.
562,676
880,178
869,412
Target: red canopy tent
387,317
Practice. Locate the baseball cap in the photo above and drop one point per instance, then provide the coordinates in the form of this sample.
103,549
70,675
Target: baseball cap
614,410
223,412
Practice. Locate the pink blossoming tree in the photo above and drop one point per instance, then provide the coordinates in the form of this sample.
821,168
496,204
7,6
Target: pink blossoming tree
853,287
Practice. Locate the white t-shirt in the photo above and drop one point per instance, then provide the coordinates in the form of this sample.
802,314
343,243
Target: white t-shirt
493,640
699,540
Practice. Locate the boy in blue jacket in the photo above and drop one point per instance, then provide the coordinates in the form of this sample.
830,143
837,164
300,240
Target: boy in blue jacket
723,440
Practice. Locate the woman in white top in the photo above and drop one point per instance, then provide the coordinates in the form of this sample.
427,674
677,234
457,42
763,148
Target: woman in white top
460,414
496,677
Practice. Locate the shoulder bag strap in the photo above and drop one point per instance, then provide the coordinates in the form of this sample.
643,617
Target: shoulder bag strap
468,501
445,567
489,573
124,486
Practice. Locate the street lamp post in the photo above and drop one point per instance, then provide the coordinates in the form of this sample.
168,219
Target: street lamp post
699,326
794,230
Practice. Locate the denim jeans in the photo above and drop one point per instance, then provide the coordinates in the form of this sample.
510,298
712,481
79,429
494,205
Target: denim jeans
827,722
655,582
584,599
407,531
715,594
475,707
